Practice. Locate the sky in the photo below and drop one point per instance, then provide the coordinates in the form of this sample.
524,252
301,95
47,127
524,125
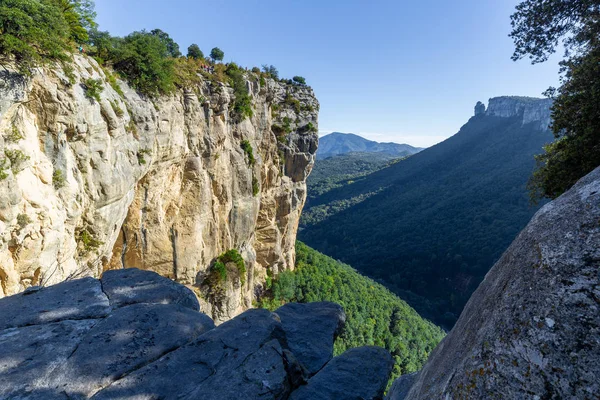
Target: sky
400,71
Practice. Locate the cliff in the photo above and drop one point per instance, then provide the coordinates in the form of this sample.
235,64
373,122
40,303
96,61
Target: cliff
531,109
530,331
165,184
135,334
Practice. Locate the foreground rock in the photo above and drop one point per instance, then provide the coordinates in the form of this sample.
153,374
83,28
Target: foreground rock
532,328
149,342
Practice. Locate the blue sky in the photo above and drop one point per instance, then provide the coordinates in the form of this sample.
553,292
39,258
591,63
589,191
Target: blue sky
402,71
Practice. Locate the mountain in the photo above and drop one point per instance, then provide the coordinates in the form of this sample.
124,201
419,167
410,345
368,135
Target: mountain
341,143
431,226
334,172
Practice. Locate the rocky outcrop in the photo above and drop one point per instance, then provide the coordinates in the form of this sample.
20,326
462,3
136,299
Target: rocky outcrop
531,329
157,345
159,184
532,110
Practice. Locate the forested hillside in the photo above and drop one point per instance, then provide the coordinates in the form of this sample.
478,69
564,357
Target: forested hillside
375,316
436,222
333,173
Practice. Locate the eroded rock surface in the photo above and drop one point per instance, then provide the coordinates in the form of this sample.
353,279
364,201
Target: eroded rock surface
158,184
532,328
149,344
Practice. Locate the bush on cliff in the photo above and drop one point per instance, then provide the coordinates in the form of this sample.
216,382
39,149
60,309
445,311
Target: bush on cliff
375,316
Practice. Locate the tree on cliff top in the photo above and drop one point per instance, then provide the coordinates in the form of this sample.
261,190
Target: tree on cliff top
217,54
195,52
538,28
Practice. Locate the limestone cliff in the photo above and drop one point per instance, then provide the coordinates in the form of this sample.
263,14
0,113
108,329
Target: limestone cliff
160,184
531,109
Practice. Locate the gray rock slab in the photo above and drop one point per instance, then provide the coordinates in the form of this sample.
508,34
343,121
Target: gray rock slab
130,338
132,285
401,386
29,355
76,299
532,328
361,373
310,330
241,358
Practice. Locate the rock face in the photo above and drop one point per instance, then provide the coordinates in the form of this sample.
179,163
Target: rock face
532,110
532,328
156,346
479,108
158,184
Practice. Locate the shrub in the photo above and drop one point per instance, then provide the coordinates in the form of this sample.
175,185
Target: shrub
16,158
311,128
93,88
247,147
256,70
293,102
220,271
88,241
3,175
271,71
186,72
242,104
141,153
112,81
255,186
23,220
58,179
118,110
233,256
14,135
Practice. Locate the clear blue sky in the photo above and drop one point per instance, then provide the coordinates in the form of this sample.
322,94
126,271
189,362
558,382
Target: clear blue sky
403,71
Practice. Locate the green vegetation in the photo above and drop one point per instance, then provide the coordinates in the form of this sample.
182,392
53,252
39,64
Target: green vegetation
217,54
220,271
255,186
3,174
431,226
375,316
93,88
233,256
242,104
118,110
195,52
35,31
16,158
247,147
538,28
88,241
311,128
112,80
299,80
23,220
58,179
14,135
271,71
141,153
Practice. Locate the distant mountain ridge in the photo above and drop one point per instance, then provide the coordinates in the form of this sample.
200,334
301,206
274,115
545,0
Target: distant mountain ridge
341,143
429,227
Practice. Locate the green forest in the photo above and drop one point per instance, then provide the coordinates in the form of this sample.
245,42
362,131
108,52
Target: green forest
434,224
374,315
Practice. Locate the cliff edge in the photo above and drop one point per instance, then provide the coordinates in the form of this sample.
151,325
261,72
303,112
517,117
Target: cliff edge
94,177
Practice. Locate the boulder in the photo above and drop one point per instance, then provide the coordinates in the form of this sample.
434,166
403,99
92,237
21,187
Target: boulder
361,373
310,330
401,387
69,300
130,338
531,330
132,285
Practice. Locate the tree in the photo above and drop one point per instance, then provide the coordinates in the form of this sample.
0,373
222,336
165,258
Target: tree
172,47
145,60
194,52
271,70
539,26
299,80
217,54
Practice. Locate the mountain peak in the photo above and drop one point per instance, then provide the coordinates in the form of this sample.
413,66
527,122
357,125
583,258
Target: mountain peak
533,110
341,143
